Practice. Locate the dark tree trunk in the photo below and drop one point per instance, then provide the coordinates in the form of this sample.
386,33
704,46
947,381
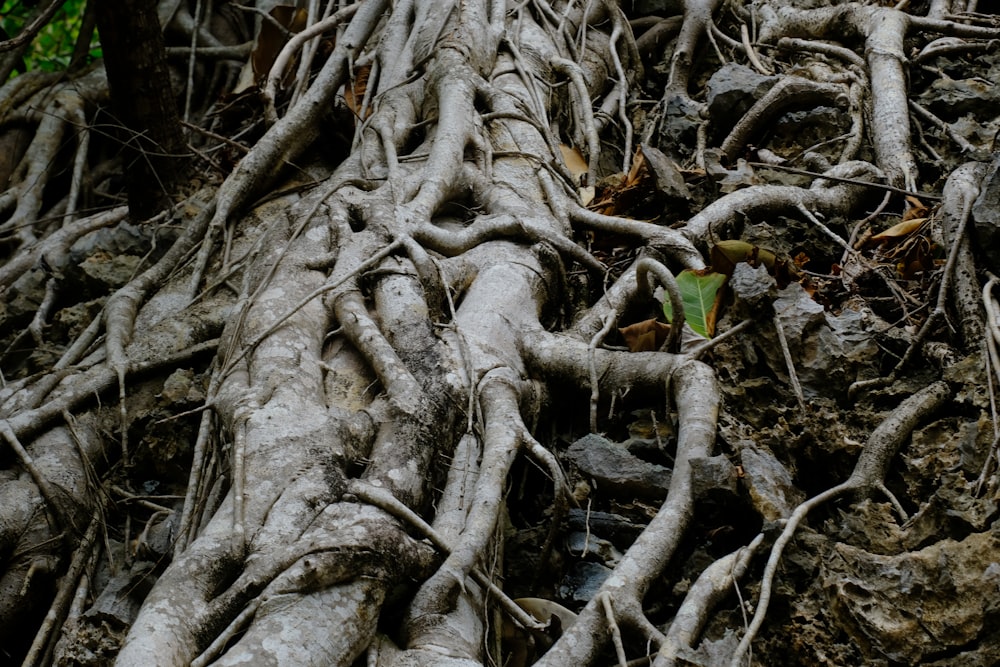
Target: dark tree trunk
142,102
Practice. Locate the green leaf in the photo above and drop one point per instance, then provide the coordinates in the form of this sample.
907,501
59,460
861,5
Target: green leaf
700,293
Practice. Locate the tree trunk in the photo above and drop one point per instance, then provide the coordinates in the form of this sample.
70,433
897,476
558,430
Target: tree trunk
360,390
143,103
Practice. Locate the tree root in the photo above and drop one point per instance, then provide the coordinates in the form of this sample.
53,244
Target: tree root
869,474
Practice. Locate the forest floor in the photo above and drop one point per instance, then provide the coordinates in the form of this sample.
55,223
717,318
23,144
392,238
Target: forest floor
908,577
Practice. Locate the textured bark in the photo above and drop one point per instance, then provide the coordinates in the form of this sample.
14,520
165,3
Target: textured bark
324,411
144,104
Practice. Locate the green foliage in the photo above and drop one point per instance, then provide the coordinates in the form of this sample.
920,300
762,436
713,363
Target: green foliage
700,292
52,48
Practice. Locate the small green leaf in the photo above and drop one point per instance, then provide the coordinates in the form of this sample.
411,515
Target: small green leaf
700,292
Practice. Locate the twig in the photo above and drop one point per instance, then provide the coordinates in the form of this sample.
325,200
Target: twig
616,635
853,181
826,230
702,348
793,378
595,388
29,31
961,141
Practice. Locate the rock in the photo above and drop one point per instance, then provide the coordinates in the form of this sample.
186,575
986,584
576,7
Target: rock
582,582
712,473
949,98
616,471
951,510
771,487
731,91
798,130
592,548
882,602
667,177
752,286
613,527
679,126
830,351
111,270
986,217
797,311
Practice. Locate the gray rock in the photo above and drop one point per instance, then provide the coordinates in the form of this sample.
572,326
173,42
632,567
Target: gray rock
986,217
679,126
614,527
712,473
616,471
582,582
882,602
771,487
753,287
592,548
830,351
732,90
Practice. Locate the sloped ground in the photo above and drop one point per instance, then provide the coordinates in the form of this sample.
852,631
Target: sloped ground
868,304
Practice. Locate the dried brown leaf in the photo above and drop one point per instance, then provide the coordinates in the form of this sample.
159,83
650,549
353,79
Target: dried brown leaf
900,229
646,336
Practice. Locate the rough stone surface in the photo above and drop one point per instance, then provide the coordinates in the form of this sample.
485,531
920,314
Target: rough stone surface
986,216
731,90
880,601
771,487
616,471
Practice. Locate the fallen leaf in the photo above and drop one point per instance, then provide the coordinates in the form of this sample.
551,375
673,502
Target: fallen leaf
915,209
646,336
726,255
354,94
573,159
272,39
903,228
700,293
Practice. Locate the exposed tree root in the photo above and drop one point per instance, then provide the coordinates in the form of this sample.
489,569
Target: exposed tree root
399,311
869,475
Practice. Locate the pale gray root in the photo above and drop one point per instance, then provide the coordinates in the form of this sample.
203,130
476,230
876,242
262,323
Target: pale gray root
669,241
714,583
882,30
647,268
287,139
964,188
697,19
616,298
789,93
62,110
868,476
793,377
64,457
293,46
961,188
58,610
123,306
696,395
272,398
829,198
55,247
